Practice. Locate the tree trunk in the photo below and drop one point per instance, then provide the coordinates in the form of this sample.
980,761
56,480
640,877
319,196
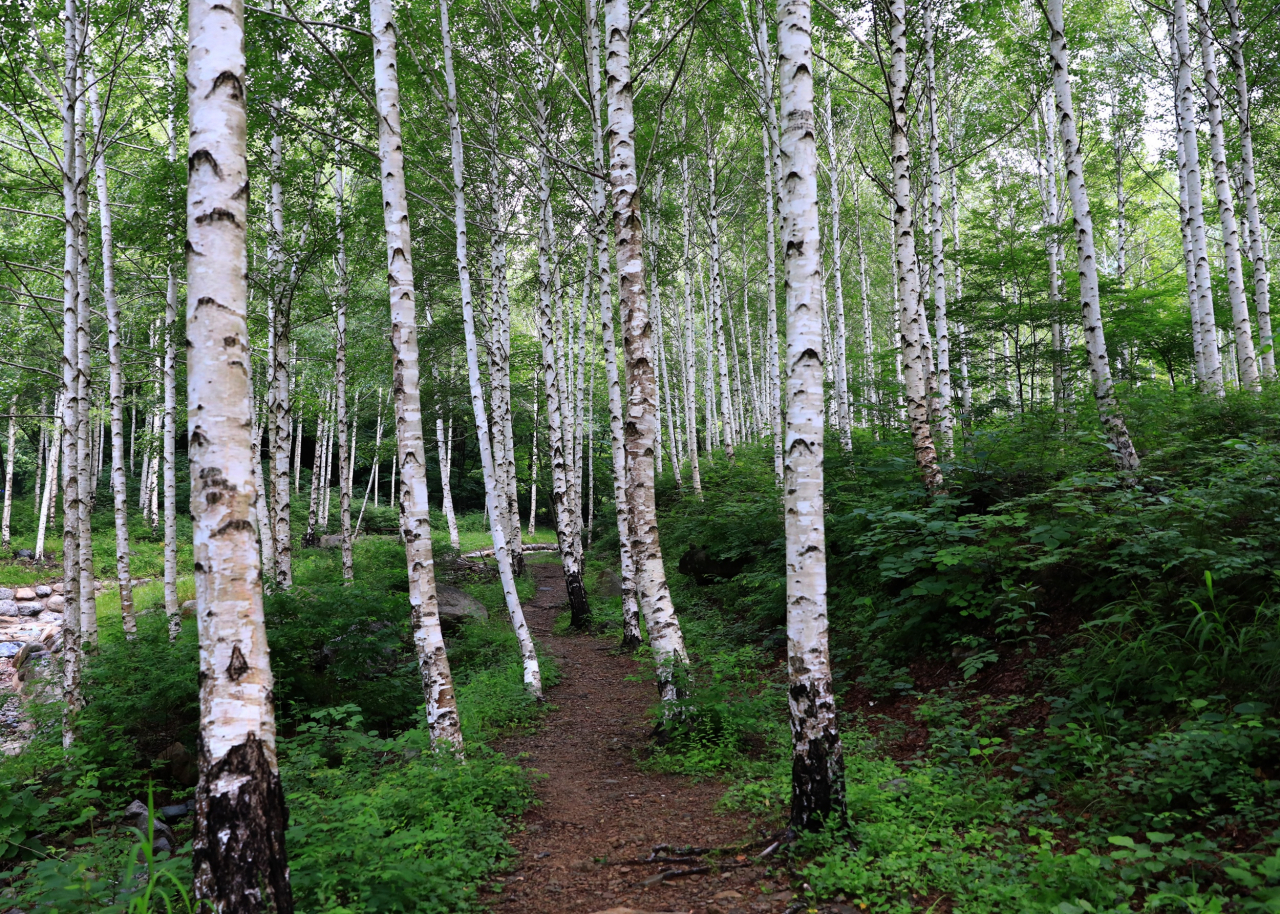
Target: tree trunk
840,363
281,416
561,491
1246,358
494,498
817,759
442,708
263,507
446,470
119,483
1189,136
49,496
663,627
717,298
910,326
239,854
533,460
1249,190
84,464
1184,215
346,457
1122,450
690,347
941,329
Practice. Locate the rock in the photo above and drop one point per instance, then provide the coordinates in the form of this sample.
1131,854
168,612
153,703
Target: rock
10,648
24,554
625,910
162,836
727,895
609,584
58,587
331,541
31,647
24,593
48,617
44,590
188,609
182,764
55,603
30,609
6,593
8,608
458,605
178,810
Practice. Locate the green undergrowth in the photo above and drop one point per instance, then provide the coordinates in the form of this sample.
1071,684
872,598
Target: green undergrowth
379,822
1056,685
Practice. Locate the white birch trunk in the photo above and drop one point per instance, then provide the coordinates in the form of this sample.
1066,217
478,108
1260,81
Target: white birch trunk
1249,190
239,855
690,348
840,363
717,299
1122,449
941,329
446,473
665,636
910,325
49,494
84,457
119,483
1185,100
495,498
1246,357
817,761
346,455
442,709
1184,216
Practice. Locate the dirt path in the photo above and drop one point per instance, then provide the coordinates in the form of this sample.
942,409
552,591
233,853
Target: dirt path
595,802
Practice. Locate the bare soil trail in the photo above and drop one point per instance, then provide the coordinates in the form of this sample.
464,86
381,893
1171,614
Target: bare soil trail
595,803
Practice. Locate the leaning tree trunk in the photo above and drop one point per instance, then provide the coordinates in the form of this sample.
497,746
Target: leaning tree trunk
665,636
119,482
631,637
1246,358
1249,190
494,498
910,313
239,854
1122,450
817,759
1189,139
437,681
561,491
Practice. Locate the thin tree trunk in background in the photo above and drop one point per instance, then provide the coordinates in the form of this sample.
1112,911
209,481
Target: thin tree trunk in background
8,472
840,331
263,506
281,415
317,459
1249,190
494,498
239,854
941,329
1186,102
690,348
561,490
1123,452
83,433
119,482
717,330
665,636
326,469
817,758
533,460
446,471
346,455
1246,357
910,327
442,709
49,497
1184,215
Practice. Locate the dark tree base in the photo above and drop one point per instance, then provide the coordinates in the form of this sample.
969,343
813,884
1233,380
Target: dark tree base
579,608
517,563
239,854
817,784
629,644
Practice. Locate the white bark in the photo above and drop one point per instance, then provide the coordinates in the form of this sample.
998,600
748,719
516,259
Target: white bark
83,435
240,815
494,498
1249,190
910,325
1246,358
690,347
817,765
941,329
346,455
442,710
278,400
717,299
839,360
49,495
1122,449
445,459
119,482
1184,216
1185,100
663,627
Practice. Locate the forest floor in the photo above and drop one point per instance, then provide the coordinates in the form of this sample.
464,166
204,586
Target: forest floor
600,813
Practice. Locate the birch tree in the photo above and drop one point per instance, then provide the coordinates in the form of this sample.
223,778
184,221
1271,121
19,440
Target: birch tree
415,520
1122,449
239,855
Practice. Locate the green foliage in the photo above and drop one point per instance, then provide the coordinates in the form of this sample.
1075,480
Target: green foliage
388,825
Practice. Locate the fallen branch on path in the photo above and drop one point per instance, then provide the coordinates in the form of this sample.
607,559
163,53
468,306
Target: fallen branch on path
530,547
